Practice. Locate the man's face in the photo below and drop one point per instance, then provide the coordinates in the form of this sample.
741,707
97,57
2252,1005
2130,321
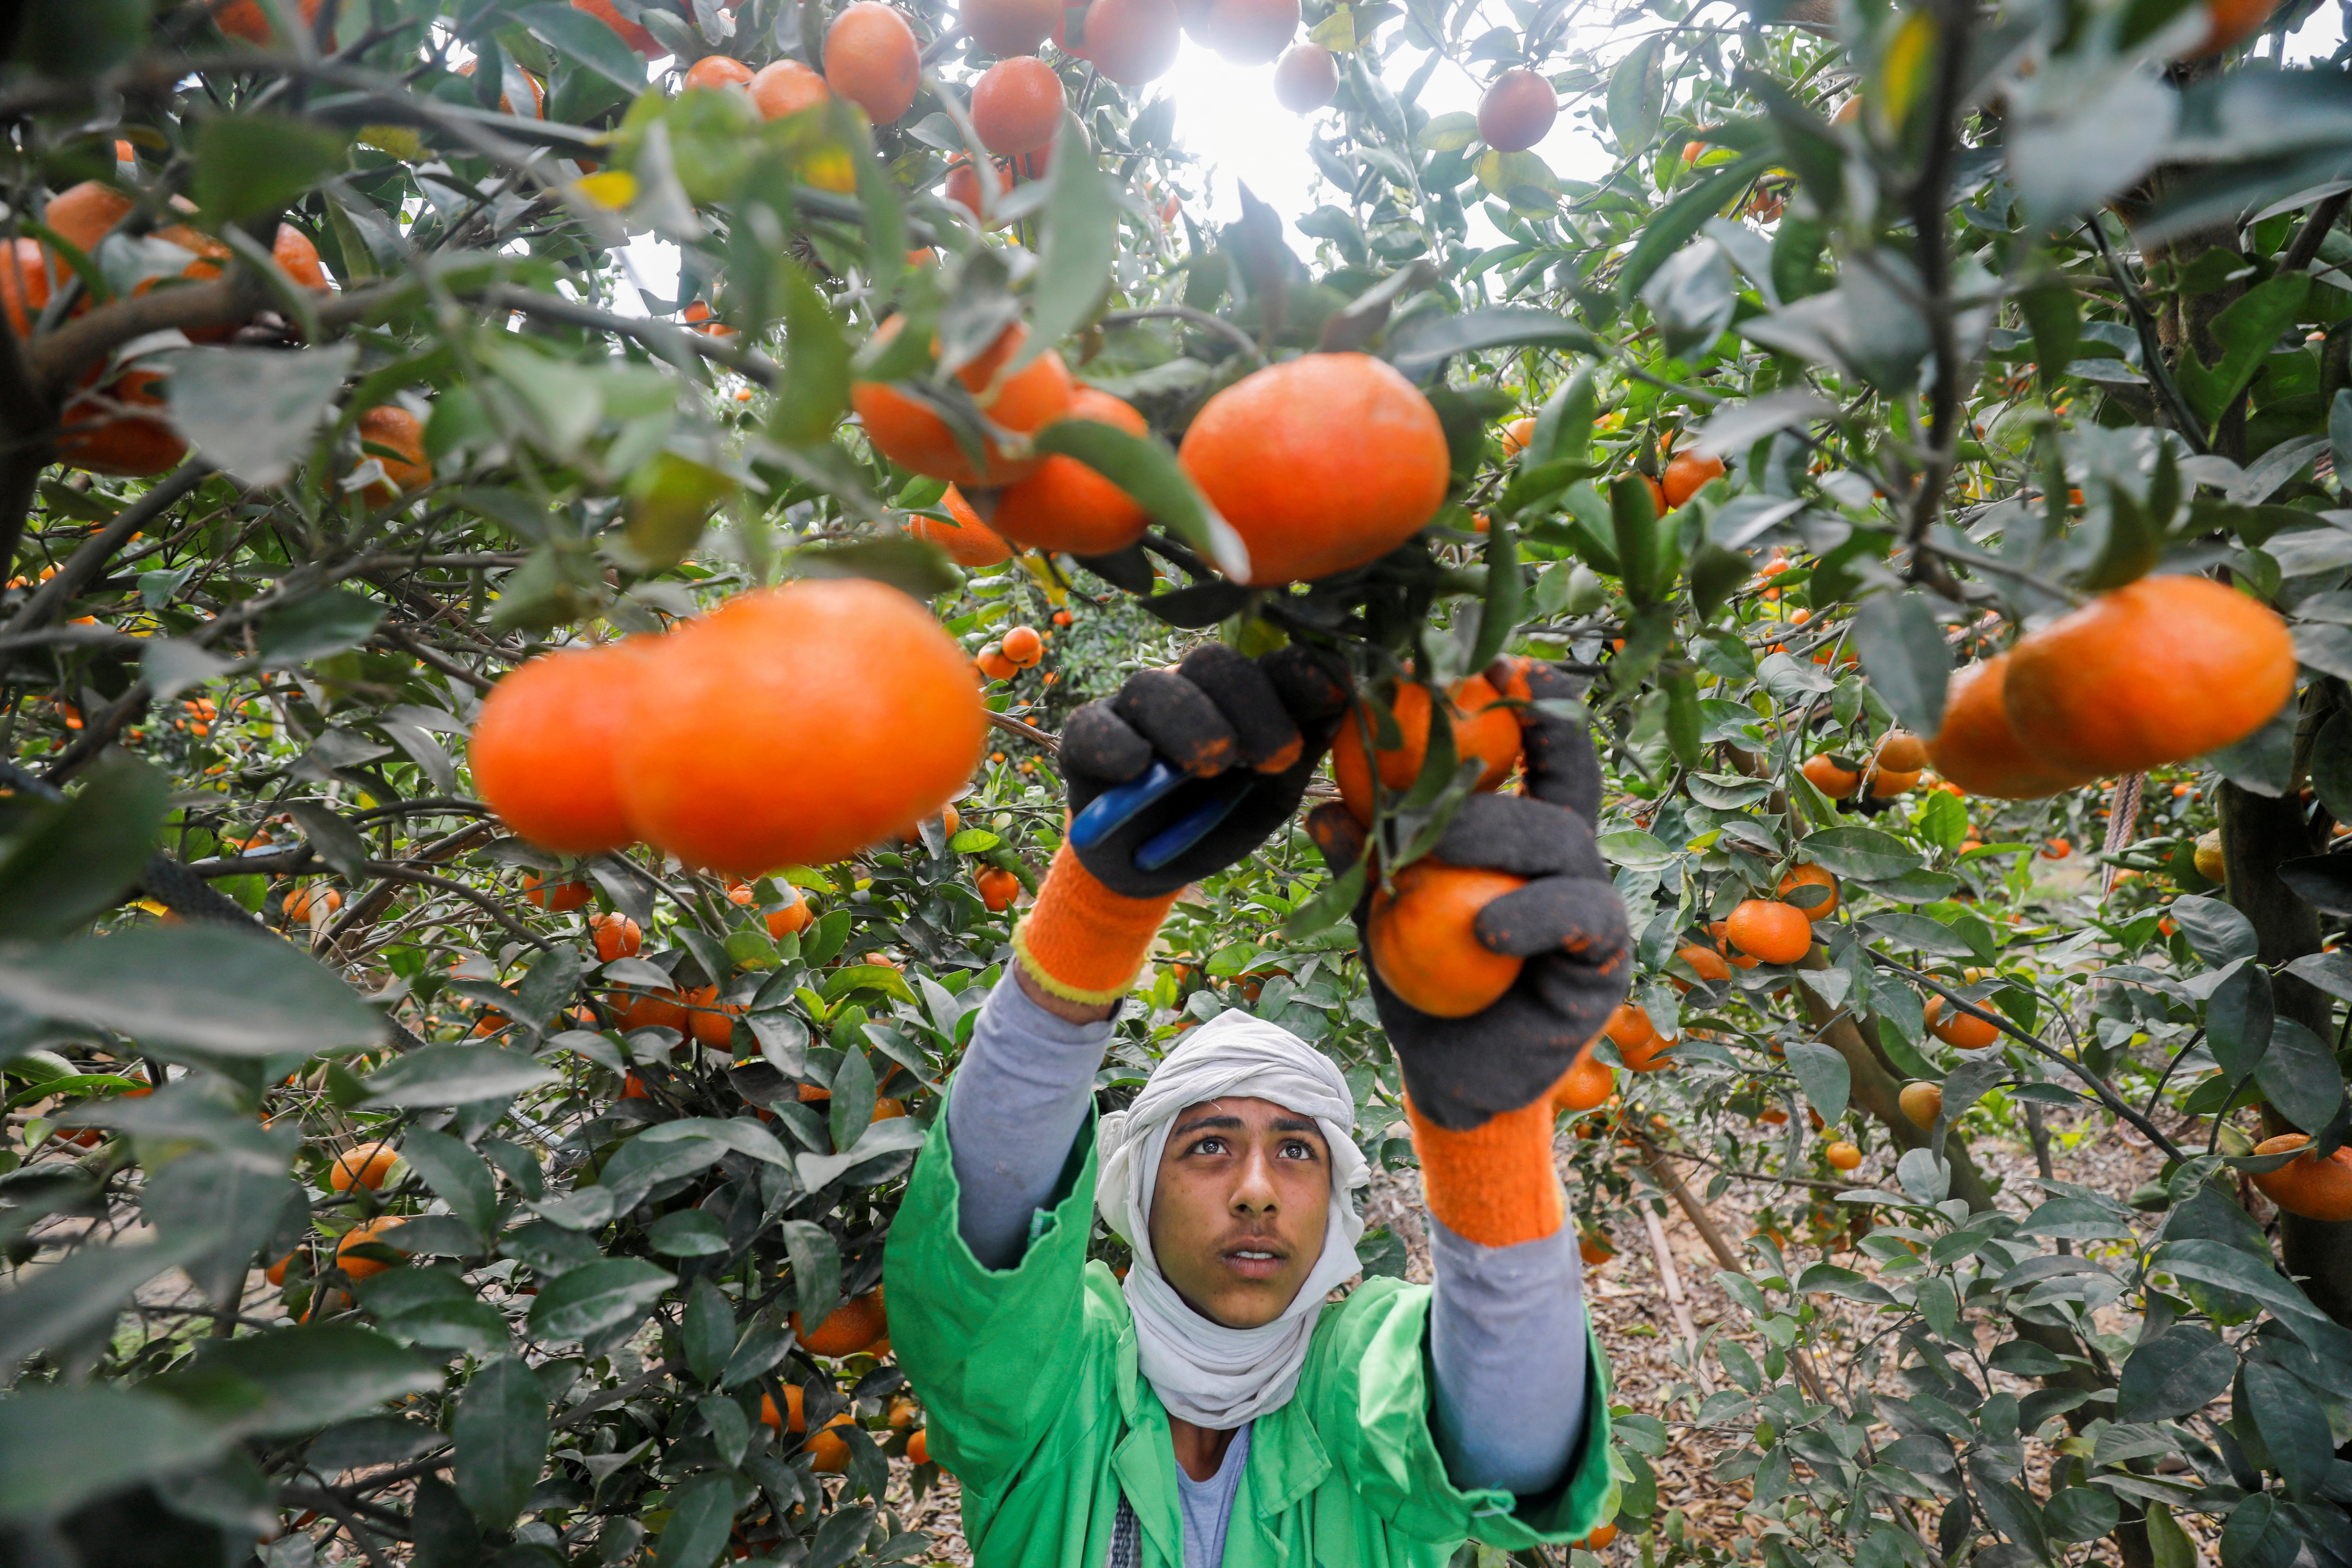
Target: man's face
1239,1214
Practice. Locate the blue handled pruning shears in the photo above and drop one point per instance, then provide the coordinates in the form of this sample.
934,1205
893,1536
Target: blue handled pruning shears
1114,809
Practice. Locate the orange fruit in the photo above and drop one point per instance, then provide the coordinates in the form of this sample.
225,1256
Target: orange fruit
1720,931
963,187
245,19
1594,1248
1774,932
911,435
617,936
275,1272
1423,943
542,747
1067,506
1976,750
1250,32
635,36
993,665
1639,1044
398,430
298,904
1130,41
786,87
1686,475
633,1088
1481,730
1825,775
2056,849
871,58
1706,961
107,430
1009,27
1320,463
1901,752
2306,1185
1886,785
1599,1538
2158,670
794,1419
717,764
361,1164
1587,1084
558,897
998,888
715,71
1842,1155
792,917
1305,79
1963,1030
1516,112
854,1325
707,1019
1023,647
1923,1103
664,1008
2231,23
830,1455
968,540
538,95
1016,105
1811,876
919,1447
1516,434
375,1229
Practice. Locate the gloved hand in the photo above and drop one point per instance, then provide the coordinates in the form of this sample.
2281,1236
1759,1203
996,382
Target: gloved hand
1479,1086
1239,738
1246,735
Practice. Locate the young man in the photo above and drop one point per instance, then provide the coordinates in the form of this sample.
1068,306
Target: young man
1214,1410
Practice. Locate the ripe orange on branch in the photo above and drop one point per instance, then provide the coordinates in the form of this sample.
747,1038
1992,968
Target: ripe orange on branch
1976,747
2158,670
1305,79
1639,1044
1016,105
543,746
1822,772
1686,475
1955,1027
395,430
1130,41
363,1165
375,1230
912,435
872,59
1424,945
1811,876
1067,506
715,71
1320,463
854,1325
1587,1084
968,540
1774,932
795,726
2307,1186
1482,728
1842,1155
1923,1103
786,87
1516,112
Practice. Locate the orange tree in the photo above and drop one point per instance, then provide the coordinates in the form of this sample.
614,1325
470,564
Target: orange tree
1931,412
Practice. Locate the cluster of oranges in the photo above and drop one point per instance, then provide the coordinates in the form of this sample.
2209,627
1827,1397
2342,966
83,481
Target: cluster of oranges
793,726
1021,648
1892,766
2158,670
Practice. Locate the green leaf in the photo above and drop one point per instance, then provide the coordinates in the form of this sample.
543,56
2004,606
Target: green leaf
740,1133
972,841
1417,345
670,497
501,1432
253,411
1329,905
597,1296
1861,851
2299,1076
701,1513
852,1107
2217,933
687,1233
1671,227
1637,95
816,1270
284,1382
1633,513
2247,330
454,1075
1447,133
233,992
2177,1373
72,861
1150,475
1714,574
2239,1017
1822,1074
60,1446
79,1294
2339,437
2294,1426
1829,1279
1903,650
1498,617
813,392
456,1175
254,165
576,33
709,1332
1081,242
323,624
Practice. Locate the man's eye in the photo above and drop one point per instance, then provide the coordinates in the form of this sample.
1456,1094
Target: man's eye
1209,1146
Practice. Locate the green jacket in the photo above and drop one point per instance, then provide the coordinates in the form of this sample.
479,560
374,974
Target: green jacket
1035,1407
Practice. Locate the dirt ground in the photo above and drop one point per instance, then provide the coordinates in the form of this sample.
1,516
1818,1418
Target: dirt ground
1627,1299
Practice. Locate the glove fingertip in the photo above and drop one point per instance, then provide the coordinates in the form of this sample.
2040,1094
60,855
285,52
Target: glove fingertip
1337,834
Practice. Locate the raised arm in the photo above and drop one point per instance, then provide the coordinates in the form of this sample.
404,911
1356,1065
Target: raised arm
1239,738
1508,1344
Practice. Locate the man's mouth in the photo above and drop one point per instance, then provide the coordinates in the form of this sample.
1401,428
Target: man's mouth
1256,1262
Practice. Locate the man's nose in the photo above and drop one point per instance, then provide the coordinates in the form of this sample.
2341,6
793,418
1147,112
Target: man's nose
1254,1191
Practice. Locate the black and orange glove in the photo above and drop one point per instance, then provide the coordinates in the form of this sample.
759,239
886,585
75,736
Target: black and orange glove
1478,1088
1188,770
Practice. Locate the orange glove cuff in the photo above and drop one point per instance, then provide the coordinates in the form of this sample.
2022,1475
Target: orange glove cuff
1493,1184
1080,940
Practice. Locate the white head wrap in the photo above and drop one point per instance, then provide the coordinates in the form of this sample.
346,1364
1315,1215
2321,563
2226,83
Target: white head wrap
1208,1373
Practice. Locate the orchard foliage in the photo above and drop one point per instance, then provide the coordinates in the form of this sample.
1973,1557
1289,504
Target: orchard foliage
1883,334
